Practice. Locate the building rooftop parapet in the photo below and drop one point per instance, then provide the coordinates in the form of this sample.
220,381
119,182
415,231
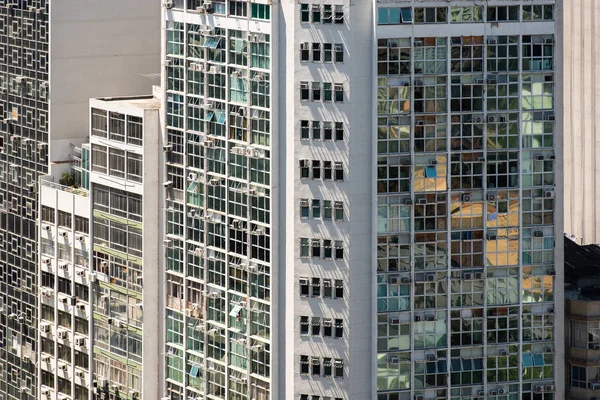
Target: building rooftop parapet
48,181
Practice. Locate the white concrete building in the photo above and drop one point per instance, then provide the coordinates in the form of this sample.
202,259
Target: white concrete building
362,200
124,186
64,351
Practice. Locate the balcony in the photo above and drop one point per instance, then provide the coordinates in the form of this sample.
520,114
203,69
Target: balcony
48,181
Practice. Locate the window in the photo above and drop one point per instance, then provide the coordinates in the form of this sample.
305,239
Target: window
99,158
304,13
82,224
503,13
304,325
48,214
339,368
134,130
339,250
338,90
339,328
304,52
431,15
339,14
316,208
327,289
538,12
64,219
304,208
338,210
261,11
339,171
315,366
99,122
327,327
304,91
134,167
338,53
315,284
304,366
578,377
304,287
116,162
394,15
238,8
339,289
117,126
316,52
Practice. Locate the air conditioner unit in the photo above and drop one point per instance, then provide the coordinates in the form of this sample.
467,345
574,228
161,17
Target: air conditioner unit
431,357
549,388
405,279
212,332
168,184
80,374
167,147
478,120
198,252
168,4
80,341
549,194
492,41
45,327
501,391
503,352
407,202
214,295
167,242
237,73
208,143
467,276
214,69
81,238
91,276
46,261
47,228
539,389
214,182
62,334
491,197
63,267
393,360
81,306
491,118
430,277
394,279
258,232
465,197
478,275
237,224
417,318
538,234
46,358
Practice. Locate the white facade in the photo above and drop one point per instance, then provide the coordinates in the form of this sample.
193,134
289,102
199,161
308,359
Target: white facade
124,165
64,349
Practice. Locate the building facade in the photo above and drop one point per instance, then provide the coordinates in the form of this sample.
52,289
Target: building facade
124,181
361,200
63,353
43,105
466,256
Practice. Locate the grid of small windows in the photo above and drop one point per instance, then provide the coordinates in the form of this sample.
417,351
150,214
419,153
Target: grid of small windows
465,173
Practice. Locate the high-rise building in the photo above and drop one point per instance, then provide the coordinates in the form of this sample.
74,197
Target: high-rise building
54,56
362,200
124,182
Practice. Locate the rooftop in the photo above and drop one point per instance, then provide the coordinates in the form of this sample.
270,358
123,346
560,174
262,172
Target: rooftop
143,102
582,271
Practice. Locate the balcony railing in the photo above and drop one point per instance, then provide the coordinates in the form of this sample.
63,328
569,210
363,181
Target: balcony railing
49,182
